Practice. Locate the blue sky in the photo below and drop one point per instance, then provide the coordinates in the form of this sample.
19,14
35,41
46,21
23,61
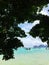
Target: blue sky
27,26
29,41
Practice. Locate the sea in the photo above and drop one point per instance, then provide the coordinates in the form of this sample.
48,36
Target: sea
33,56
22,50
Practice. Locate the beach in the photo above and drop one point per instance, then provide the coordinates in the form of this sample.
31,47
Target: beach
29,58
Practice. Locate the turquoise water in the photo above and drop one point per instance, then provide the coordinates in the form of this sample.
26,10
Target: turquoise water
31,51
34,56
21,50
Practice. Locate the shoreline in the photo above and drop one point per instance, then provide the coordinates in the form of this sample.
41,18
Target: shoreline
37,58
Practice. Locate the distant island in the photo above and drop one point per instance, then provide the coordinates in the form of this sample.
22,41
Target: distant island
35,46
40,46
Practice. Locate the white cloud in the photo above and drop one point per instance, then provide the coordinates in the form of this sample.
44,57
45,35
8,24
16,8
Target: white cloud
29,41
45,10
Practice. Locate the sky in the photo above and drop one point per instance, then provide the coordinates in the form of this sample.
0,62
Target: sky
29,41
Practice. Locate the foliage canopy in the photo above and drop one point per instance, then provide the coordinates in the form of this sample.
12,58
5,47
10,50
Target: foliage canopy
14,12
